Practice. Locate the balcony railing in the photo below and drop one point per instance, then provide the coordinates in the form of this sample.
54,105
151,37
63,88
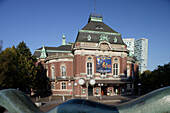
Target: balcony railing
123,76
90,76
65,78
96,15
116,76
104,76
120,76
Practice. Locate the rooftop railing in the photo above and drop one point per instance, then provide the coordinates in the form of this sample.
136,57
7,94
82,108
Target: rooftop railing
96,15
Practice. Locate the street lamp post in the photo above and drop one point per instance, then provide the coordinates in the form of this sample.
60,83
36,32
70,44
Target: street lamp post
75,84
100,90
69,84
81,82
139,84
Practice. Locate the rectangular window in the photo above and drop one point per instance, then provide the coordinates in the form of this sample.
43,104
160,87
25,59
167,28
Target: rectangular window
89,68
63,85
115,69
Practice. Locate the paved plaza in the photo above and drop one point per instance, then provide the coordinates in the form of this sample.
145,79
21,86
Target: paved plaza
55,101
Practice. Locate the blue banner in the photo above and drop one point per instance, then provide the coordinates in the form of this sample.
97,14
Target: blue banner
103,64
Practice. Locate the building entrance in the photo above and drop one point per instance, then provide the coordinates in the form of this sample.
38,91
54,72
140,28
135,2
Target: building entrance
90,91
104,90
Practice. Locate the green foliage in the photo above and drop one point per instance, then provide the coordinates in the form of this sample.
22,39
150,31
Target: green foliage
8,68
158,78
144,79
18,68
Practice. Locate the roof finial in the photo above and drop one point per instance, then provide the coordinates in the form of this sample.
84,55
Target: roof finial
63,40
64,36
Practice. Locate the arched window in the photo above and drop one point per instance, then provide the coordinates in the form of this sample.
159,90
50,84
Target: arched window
89,68
53,73
63,71
115,69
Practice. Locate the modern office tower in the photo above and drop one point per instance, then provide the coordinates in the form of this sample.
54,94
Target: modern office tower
130,42
141,53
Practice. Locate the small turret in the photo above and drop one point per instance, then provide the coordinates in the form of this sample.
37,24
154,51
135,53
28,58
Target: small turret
43,53
63,40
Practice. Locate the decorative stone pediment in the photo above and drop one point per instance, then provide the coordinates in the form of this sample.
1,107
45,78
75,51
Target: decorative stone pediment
104,45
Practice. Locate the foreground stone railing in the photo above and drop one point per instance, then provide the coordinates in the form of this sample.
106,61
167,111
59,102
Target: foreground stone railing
157,101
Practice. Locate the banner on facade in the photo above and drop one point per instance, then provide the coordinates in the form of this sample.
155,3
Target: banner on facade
103,64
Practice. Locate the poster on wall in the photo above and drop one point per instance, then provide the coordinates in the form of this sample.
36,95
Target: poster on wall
103,64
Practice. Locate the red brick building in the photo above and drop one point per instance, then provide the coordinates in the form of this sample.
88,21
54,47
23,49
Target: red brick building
96,63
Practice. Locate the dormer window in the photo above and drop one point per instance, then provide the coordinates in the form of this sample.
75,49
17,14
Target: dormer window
98,27
89,38
115,39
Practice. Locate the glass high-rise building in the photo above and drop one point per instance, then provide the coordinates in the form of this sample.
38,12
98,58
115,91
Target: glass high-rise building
139,48
141,53
130,42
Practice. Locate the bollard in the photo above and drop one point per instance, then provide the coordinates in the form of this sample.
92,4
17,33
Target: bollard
50,98
36,99
63,98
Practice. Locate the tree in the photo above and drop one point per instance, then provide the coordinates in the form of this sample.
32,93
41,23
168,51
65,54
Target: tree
17,68
158,78
26,66
8,68
145,80
161,76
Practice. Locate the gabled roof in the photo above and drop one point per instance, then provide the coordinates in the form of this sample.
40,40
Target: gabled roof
96,29
61,48
53,50
98,26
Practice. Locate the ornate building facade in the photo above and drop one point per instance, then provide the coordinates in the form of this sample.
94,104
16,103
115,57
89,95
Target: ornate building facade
97,63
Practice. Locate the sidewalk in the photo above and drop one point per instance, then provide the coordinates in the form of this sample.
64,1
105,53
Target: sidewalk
109,100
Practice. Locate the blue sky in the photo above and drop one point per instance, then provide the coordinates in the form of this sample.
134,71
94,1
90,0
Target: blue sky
38,22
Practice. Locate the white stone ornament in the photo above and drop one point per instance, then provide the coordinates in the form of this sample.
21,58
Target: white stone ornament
81,81
92,82
75,84
69,84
